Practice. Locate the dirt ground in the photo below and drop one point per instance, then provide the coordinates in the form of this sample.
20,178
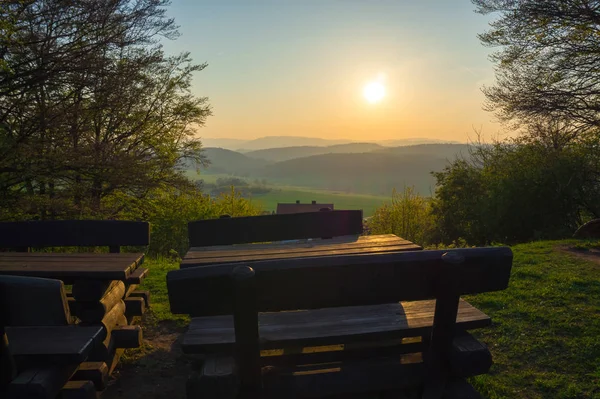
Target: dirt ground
592,255
157,370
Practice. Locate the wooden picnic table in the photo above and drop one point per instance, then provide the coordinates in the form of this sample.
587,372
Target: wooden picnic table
344,245
69,267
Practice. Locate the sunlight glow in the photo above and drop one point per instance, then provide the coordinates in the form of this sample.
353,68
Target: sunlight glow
374,92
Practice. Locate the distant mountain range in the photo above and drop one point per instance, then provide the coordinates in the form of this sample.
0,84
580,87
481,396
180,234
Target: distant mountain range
367,168
300,141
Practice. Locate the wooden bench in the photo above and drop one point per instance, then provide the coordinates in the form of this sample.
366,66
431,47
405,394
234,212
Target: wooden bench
264,228
95,300
41,348
74,233
314,327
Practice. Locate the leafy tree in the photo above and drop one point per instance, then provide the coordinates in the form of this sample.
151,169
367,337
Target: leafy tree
91,107
548,62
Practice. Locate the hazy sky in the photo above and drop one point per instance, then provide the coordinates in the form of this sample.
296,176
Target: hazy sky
299,67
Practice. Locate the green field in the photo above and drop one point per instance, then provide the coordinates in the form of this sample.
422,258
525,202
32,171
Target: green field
368,203
268,202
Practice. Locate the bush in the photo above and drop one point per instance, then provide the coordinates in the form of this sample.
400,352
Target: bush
170,210
408,215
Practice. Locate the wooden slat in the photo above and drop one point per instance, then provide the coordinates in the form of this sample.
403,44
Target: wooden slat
41,382
346,378
137,276
284,254
78,389
52,345
352,241
71,268
347,280
328,326
30,301
83,233
97,372
274,227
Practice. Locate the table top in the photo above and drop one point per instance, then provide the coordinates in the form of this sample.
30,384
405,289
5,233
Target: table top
70,266
52,345
345,245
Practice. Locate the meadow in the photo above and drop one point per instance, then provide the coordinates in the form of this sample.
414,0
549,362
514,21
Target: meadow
368,203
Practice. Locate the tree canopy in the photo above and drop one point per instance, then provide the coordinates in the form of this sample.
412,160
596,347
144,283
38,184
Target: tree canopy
91,106
548,61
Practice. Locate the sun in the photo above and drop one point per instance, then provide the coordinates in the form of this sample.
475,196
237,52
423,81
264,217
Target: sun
374,92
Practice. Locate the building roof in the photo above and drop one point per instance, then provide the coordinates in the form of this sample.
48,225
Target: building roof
283,208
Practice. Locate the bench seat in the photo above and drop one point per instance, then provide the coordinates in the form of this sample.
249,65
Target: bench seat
58,345
328,326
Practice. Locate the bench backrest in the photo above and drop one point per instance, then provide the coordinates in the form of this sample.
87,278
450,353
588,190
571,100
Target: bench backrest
77,233
264,228
348,280
32,301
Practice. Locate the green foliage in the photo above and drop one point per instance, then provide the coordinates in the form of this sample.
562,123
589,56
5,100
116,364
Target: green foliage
408,215
88,116
169,210
515,191
546,60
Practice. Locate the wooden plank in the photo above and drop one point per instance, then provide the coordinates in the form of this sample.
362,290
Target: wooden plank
114,317
127,336
82,233
352,352
134,306
351,238
145,294
217,379
67,257
328,326
371,375
97,372
94,312
274,227
259,255
41,382
345,280
278,246
68,273
137,276
92,290
54,345
468,357
29,301
78,389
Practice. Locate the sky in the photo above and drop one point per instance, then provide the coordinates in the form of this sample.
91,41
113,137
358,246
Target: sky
299,67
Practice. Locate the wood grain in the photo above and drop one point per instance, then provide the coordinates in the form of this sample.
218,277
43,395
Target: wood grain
236,230
341,280
70,267
328,326
52,345
81,233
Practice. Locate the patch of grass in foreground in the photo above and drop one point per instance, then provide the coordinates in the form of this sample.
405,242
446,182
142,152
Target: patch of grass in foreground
156,282
546,334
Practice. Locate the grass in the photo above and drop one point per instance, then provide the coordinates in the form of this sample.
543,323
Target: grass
546,334
368,203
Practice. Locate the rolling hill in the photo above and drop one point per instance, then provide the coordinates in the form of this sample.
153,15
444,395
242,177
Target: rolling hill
346,168
287,153
374,173
232,162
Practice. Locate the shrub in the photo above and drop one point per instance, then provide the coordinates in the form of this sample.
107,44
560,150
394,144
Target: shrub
408,215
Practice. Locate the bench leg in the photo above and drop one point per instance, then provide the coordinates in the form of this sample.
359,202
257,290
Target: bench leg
217,380
245,317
